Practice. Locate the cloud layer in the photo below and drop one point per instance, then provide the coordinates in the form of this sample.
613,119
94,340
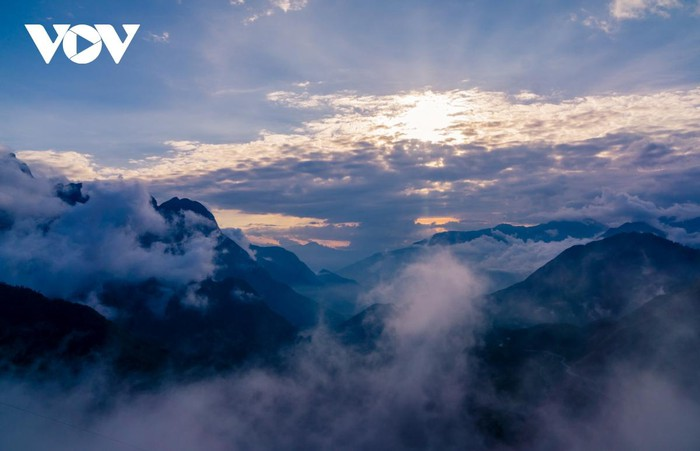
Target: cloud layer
481,157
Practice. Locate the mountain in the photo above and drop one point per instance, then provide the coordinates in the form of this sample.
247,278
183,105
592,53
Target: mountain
573,361
173,207
382,266
284,266
185,220
662,335
233,261
337,296
318,256
214,327
364,330
575,367
328,277
39,335
629,227
601,280
548,232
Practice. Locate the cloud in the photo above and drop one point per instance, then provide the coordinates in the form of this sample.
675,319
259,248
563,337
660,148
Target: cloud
436,220
411,391
643,410
258,9
615,208
474,118
370,160
70,164
162,38
407,395
636,9
594,22
237,218
290,5
69,251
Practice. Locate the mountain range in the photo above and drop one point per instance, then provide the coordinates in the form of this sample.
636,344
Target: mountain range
622,297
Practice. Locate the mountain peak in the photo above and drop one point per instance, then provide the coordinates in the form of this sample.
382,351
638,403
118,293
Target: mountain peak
177,205
630,227
598,281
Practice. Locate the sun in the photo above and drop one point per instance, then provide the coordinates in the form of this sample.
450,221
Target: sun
428,117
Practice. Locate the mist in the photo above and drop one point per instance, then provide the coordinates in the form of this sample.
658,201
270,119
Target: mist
405,394
409,390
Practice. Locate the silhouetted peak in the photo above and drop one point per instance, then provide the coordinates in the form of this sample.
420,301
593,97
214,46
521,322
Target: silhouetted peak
630,227
177,205
598,281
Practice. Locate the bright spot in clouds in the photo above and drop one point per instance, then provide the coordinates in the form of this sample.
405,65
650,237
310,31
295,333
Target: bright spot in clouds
428,118
435,220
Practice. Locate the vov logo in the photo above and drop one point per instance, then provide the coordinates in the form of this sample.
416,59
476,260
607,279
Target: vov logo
95,36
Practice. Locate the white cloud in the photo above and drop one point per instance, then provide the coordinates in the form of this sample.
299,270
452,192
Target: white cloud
290,5
71,164
259,9
636,9
162,38
414,145
472,117
65,251
596,23
409,393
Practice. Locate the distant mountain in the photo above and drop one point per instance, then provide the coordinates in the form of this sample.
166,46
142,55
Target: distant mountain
318,256
337,296
386,265
382,266
284,266
364,330
548,232
602,280
629,227
328,277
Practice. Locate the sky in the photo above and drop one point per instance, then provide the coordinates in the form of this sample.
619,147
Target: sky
366,125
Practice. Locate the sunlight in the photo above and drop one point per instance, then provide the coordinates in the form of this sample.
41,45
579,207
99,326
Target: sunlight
429,119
